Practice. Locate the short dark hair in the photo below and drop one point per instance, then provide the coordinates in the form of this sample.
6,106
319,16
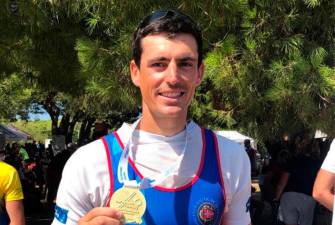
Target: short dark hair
171,22
247,141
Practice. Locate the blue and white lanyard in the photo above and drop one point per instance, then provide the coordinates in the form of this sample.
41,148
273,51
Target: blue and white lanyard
122,171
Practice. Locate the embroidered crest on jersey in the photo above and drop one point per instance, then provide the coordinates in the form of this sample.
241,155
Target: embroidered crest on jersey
206,212
61,214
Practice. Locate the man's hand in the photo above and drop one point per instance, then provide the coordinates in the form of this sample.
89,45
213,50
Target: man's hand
102,216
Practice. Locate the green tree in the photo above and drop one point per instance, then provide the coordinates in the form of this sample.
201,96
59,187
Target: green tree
278,76
15,98
269,64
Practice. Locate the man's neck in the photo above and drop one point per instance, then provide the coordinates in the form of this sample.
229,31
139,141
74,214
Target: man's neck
162,126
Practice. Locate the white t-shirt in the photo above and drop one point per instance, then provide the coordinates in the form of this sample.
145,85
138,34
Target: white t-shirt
85,181
329,165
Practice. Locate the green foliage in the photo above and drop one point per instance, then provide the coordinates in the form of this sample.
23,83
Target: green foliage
312,3
14,97
276,77
317,56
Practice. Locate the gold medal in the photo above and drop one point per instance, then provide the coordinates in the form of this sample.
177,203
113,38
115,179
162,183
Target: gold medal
131,202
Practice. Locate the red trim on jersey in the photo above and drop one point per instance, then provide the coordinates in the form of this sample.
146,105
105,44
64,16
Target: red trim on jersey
118,140
111,176
219,167
194,179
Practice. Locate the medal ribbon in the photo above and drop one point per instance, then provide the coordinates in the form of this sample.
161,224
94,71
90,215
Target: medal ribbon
146,182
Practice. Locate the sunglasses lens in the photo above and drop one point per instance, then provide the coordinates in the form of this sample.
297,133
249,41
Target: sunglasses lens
156,16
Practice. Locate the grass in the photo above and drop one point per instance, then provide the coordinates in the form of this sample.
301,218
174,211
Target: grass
39,129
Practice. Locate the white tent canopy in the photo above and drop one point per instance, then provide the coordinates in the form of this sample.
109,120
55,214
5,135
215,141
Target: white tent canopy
237,136
320,134
13,134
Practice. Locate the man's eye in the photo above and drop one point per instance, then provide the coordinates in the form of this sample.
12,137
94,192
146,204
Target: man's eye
186,64
158,64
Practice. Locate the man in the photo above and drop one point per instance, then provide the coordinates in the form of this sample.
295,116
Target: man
186,174
323,190
11,195
294,189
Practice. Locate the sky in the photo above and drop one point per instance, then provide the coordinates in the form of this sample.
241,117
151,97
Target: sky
43,116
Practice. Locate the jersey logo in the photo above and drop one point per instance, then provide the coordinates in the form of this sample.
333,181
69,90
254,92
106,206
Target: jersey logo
61,214
206,213
248,205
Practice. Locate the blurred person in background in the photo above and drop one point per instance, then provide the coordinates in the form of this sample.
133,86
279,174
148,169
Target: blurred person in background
294,189
11,195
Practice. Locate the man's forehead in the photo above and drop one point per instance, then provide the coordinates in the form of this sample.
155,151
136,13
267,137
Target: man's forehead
160,41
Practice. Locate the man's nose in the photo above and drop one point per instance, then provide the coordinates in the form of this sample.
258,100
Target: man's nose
173,75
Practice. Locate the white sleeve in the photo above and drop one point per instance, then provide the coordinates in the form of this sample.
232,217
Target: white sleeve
329,162
84,185
235,166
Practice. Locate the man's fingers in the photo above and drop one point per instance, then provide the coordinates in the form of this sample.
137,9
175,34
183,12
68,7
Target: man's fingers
104,220
103,211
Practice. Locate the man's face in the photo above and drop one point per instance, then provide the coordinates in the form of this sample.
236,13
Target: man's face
168,74
247,145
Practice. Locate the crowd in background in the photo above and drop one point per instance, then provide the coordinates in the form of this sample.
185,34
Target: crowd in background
287,175
39,170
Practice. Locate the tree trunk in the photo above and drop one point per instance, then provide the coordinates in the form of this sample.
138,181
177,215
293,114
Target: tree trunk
79,114
54,125
85,130
89,127
64,124
50,106
69,135
81,131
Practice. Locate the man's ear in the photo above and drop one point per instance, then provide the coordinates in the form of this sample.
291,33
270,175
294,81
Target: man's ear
201,70
135,73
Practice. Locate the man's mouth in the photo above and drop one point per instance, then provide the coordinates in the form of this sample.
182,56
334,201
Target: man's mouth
176,94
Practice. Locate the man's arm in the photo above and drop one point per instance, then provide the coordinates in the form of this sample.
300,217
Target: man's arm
323,190
15,212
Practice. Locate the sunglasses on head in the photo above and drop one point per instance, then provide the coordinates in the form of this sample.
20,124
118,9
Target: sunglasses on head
157,15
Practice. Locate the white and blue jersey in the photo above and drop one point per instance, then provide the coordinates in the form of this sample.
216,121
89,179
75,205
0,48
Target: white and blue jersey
201,201
212,183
